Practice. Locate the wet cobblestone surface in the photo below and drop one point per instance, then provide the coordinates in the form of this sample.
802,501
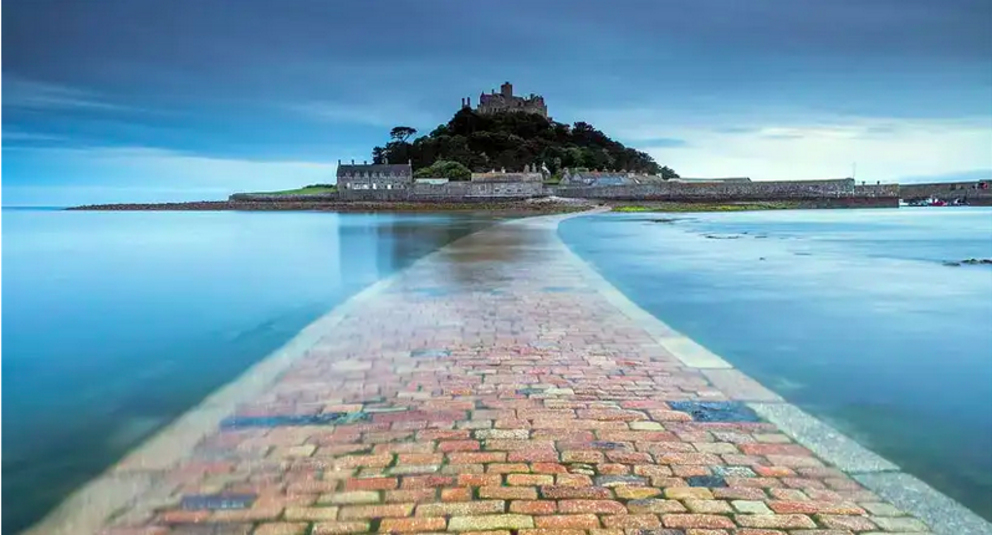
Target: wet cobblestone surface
510,401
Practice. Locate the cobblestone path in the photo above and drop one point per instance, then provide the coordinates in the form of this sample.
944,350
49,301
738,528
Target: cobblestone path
491,389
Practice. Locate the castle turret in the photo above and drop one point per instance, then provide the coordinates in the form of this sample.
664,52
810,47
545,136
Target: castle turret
506,89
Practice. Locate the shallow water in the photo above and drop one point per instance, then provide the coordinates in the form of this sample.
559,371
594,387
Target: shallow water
116,322
850,314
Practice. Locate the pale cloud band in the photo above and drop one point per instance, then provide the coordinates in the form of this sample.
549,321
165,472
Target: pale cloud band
784,148
107,175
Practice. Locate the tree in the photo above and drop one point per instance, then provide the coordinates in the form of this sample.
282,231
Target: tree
445,169
402,133
513,140
668,173
378,155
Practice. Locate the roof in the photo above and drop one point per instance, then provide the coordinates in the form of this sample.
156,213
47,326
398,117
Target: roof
728,179
610,181
507,177
387,168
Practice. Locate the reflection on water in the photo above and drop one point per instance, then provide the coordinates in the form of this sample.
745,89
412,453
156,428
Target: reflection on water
478,261
850,314
114,323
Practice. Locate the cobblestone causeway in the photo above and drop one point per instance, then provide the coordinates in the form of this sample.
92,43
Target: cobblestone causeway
491,389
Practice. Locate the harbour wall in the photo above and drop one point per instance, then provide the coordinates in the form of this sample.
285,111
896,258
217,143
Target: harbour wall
971,192
832,192
842,192
266,197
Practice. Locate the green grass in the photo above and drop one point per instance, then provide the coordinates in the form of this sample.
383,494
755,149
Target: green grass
306,190
703,207
633,209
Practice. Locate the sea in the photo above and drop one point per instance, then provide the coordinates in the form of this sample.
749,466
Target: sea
863,318
115,323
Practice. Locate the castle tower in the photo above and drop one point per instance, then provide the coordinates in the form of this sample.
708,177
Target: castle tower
506,101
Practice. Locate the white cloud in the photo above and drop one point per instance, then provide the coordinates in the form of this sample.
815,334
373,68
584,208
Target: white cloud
23,93
384,114
59,176
783,146
14,136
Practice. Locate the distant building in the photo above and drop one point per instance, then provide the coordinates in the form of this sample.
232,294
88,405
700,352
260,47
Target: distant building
734,180
529,174
506,101
431,181
374,176
596,178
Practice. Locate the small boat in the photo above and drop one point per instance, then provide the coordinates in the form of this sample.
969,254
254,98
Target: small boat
929,201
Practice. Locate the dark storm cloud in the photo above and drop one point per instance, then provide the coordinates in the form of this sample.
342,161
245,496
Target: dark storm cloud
313,79
167,51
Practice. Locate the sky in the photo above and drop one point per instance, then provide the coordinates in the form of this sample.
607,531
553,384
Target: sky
161,100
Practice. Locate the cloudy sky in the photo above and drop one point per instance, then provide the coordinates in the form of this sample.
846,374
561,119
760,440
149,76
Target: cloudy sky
117,100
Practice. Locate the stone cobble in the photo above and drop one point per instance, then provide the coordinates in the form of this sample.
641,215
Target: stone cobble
468,398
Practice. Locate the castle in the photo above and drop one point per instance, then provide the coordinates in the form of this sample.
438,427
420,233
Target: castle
506,101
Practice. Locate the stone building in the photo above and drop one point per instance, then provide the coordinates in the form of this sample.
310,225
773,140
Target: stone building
740,180
367,176
529,174
597,178
506,101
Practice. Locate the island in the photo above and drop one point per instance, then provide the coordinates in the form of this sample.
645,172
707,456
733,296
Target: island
508,154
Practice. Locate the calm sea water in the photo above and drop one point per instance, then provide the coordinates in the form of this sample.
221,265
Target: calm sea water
115,323
850,314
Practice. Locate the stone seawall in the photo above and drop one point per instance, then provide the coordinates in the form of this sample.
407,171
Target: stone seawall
449,192
829,193
950,191
840,192
730,191
265,197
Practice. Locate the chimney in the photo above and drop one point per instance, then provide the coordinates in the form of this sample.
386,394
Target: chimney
468,102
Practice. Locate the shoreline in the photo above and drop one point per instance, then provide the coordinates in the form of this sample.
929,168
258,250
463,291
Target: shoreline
141,468
535,207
